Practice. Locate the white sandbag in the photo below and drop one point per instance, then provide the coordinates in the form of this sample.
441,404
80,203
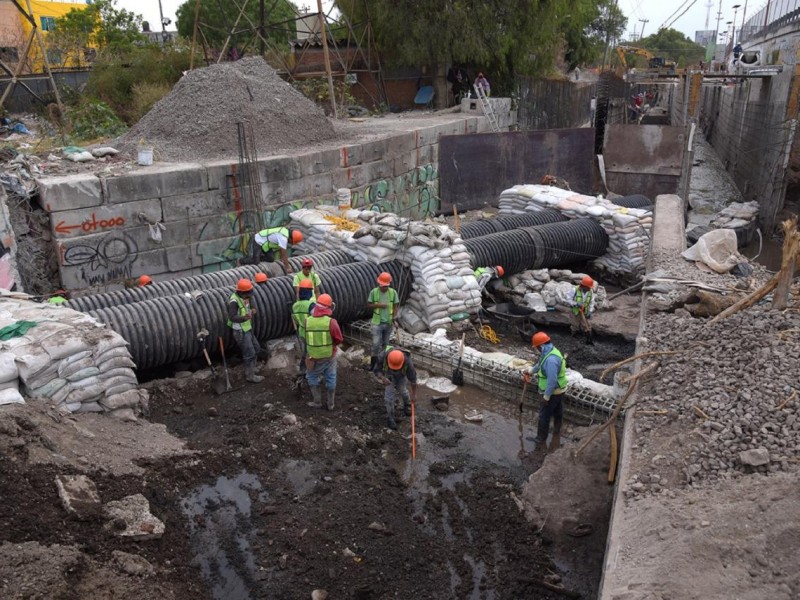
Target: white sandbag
63,344
47,390
61,394
87,407
108,343
31,359
717,249
117,380
117,352
86,393
455,283
125,414
86,382
8,367
67,369
73,407
11,396
121,372
129,399
120,389
73,359
118,362
86,373
14,383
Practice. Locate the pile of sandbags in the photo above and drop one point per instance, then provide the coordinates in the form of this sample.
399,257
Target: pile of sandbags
544,289
69,359
445,288
628,229
736,216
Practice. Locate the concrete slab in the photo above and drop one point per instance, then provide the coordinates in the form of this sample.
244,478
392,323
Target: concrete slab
78,496
406,162
158,181
279,168
189,206
217,173
669,231
351,155
130,518
98,219
324,161
69,192
112,261
298,189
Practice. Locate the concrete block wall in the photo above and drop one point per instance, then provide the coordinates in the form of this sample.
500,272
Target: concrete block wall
103,226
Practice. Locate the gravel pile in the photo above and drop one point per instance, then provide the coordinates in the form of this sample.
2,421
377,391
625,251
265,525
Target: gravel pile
197,119
740,377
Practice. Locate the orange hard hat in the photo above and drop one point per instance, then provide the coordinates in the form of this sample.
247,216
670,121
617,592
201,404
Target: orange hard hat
500,271
295,236
384,278
325,300
244,285
307,262
396,359
261,278
307,283
539,338
587,281
145,280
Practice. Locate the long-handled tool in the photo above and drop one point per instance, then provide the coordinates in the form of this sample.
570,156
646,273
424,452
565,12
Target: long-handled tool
228,386
458,375
587,328
216,381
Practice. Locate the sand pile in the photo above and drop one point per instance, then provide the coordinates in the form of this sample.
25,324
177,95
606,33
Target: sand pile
197,119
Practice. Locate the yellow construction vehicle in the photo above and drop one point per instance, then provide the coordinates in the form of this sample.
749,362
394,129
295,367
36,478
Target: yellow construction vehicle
655,64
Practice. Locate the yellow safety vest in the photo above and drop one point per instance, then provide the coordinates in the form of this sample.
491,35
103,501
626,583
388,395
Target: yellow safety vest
319,341
245,325
562,372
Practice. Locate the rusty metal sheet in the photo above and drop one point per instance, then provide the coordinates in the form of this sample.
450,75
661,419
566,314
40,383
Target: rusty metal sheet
474,169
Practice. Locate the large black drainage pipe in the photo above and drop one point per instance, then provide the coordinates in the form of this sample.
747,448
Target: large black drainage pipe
543,246
507,223
217,279
634,201
164,330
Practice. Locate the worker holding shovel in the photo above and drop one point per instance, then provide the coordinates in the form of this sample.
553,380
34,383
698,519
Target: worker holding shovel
551,374
583,307
240,320
395,369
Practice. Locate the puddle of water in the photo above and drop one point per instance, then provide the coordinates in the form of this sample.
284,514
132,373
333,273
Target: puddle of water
478,575
221,533
299,474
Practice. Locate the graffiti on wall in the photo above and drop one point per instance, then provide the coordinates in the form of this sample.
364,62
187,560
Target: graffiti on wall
106,260
415,194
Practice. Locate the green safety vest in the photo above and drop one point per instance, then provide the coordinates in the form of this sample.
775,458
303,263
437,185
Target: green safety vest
582,300
56,300
480,271
383,315
246,325
267,246
562,372
319,341
315,280
300,314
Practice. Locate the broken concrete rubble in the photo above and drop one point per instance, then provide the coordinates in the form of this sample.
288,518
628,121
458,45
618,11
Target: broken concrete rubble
130,518
78,495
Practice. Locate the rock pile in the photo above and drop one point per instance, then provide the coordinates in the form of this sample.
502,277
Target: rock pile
547,288
69,359
628,229
738,389
444,288
198,117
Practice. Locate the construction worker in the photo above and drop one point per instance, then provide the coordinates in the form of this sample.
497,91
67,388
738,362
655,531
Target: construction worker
145,280
240,320
300,311
58,298
261,278
582,305
268,241
383,301
323,336
551,373
485,274
306,273
395,370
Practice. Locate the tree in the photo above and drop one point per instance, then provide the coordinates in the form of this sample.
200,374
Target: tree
100,27
673,45
592,25
505,38
218,17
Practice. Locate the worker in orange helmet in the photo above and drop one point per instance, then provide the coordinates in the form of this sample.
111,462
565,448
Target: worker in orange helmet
582,306
275,239
383,301
485,274
551,377
261,278
306,272
395,369
323,336
240,320
145,280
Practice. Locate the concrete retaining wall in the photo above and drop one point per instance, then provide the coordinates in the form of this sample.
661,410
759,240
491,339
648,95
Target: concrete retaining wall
102,225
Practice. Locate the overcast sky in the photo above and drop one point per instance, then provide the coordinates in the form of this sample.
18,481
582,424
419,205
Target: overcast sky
657,12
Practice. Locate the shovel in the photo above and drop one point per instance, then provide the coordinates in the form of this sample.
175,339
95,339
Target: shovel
228,386
217,382
587,328
458,375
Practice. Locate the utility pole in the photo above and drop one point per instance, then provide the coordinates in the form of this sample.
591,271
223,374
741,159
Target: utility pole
261,44
327,57
643,22
716,32
709,6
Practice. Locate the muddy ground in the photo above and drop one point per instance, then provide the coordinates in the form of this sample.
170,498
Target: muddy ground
274,499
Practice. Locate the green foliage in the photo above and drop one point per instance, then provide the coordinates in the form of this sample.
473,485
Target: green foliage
673,45
316,89
115,75
601,21
100,25
92,120
145,95
216,23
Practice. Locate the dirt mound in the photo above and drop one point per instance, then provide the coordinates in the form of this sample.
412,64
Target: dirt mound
197,119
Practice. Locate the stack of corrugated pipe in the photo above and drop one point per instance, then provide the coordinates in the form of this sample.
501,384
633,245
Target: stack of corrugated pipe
543,246
163,330
633,201
508,223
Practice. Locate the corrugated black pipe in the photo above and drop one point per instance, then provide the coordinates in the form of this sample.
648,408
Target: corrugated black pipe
164,330
543,246
634,201
507,223
206,281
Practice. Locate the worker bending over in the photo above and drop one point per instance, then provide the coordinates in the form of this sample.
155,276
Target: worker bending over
485,274
551,376
301,309
306,274
323,336
272,240
383,301
240,320
582,304
395,370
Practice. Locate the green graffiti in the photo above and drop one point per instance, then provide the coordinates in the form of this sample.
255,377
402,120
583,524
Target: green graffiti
415,194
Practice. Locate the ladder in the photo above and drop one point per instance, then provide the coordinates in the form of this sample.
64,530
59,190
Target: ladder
487,108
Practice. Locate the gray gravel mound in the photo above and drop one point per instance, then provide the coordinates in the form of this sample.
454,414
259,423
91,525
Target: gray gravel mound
197,119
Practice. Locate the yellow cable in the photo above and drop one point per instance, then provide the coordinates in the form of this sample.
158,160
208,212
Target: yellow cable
489,335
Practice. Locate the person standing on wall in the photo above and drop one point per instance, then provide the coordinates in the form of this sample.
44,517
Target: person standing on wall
275,239
240,320
383,301
306,274
482,83
396,371
551,373
323,337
